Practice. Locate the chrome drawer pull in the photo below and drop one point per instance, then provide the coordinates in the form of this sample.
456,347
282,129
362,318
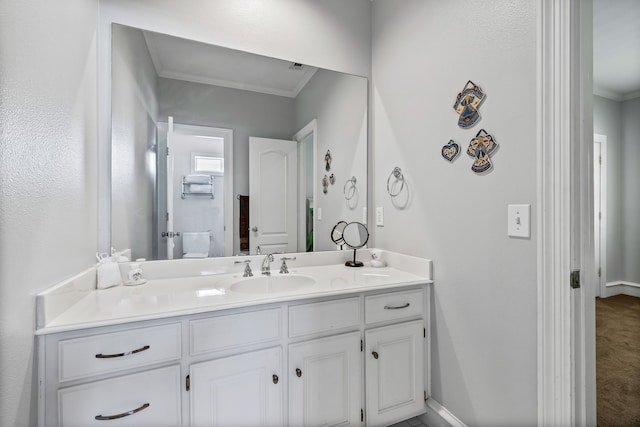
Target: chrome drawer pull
397,307
122,415
128,353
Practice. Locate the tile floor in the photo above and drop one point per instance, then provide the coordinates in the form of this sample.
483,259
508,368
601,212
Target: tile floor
413,422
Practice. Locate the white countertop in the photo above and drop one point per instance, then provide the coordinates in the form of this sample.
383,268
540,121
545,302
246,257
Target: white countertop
167,297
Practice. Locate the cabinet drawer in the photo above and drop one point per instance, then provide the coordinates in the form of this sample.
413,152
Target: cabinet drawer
395,305
107,353
326,316
235,330
149,398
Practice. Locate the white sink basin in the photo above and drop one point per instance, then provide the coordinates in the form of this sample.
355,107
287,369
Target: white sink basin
272,284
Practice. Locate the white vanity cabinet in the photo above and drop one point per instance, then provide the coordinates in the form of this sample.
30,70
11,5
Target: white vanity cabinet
127,377
358,358
242,390
395,357
325,381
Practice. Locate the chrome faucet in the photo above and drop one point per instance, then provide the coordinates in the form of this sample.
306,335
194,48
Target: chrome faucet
247,268
283,267
266,266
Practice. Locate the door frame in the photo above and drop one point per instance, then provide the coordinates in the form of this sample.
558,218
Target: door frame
601,287
310,128
566,318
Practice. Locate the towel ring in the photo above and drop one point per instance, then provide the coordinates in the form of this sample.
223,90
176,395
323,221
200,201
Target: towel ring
351,181
397,173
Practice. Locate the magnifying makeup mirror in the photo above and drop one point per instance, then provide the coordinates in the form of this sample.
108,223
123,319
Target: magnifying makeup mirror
355,235
337,233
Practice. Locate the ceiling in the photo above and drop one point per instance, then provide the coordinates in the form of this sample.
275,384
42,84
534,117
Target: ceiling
182,59
616,49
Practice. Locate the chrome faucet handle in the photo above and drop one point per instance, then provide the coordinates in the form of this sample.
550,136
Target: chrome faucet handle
247,267
283,268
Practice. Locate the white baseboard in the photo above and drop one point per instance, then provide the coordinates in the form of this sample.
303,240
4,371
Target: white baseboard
623,288
438,416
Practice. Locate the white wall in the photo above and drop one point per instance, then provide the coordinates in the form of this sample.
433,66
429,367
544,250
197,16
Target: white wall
48,162
607,120
484,366
133,143
339,103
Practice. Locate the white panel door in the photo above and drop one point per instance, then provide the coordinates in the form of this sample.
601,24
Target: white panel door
394,365
273,195
242,390
169,229
325,381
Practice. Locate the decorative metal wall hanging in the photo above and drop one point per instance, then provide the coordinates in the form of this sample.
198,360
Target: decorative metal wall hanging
397,174
332,179
480,148
327,160
325,184
450,151
467,104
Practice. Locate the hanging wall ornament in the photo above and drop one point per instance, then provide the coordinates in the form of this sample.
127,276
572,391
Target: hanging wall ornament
467,104
327,160
450,151
325,184
332,179
480,148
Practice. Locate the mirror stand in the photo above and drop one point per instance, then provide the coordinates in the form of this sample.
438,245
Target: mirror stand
354,263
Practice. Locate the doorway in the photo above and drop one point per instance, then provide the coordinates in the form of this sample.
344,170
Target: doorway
184,205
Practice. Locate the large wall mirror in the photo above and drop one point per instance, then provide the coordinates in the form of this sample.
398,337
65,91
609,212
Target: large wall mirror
218,152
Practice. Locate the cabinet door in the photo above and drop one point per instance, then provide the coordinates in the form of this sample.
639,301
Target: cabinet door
394,372
242,390
325,377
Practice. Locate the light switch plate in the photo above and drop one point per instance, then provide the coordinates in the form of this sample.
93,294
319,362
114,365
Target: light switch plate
319,213
364,215
519,221
380,216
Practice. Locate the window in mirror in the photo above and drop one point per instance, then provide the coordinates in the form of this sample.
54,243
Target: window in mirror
203,163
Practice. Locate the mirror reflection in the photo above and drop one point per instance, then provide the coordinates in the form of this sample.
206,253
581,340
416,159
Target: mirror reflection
217,152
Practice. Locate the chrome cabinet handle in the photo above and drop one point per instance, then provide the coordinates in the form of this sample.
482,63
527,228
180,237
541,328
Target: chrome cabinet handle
396,307
375,355
122,415
298,372
128,353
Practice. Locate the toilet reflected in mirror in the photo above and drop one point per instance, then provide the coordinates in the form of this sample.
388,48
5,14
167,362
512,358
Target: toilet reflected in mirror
196,244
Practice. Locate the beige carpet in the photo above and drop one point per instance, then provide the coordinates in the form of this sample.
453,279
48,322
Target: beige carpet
618,360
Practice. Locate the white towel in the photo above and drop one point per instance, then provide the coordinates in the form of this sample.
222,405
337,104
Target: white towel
200,188
197,179
108,274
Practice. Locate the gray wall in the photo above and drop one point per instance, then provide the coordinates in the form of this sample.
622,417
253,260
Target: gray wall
133,143
339,103
48,179
631,194
484,364
619,122
247,113
607,120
